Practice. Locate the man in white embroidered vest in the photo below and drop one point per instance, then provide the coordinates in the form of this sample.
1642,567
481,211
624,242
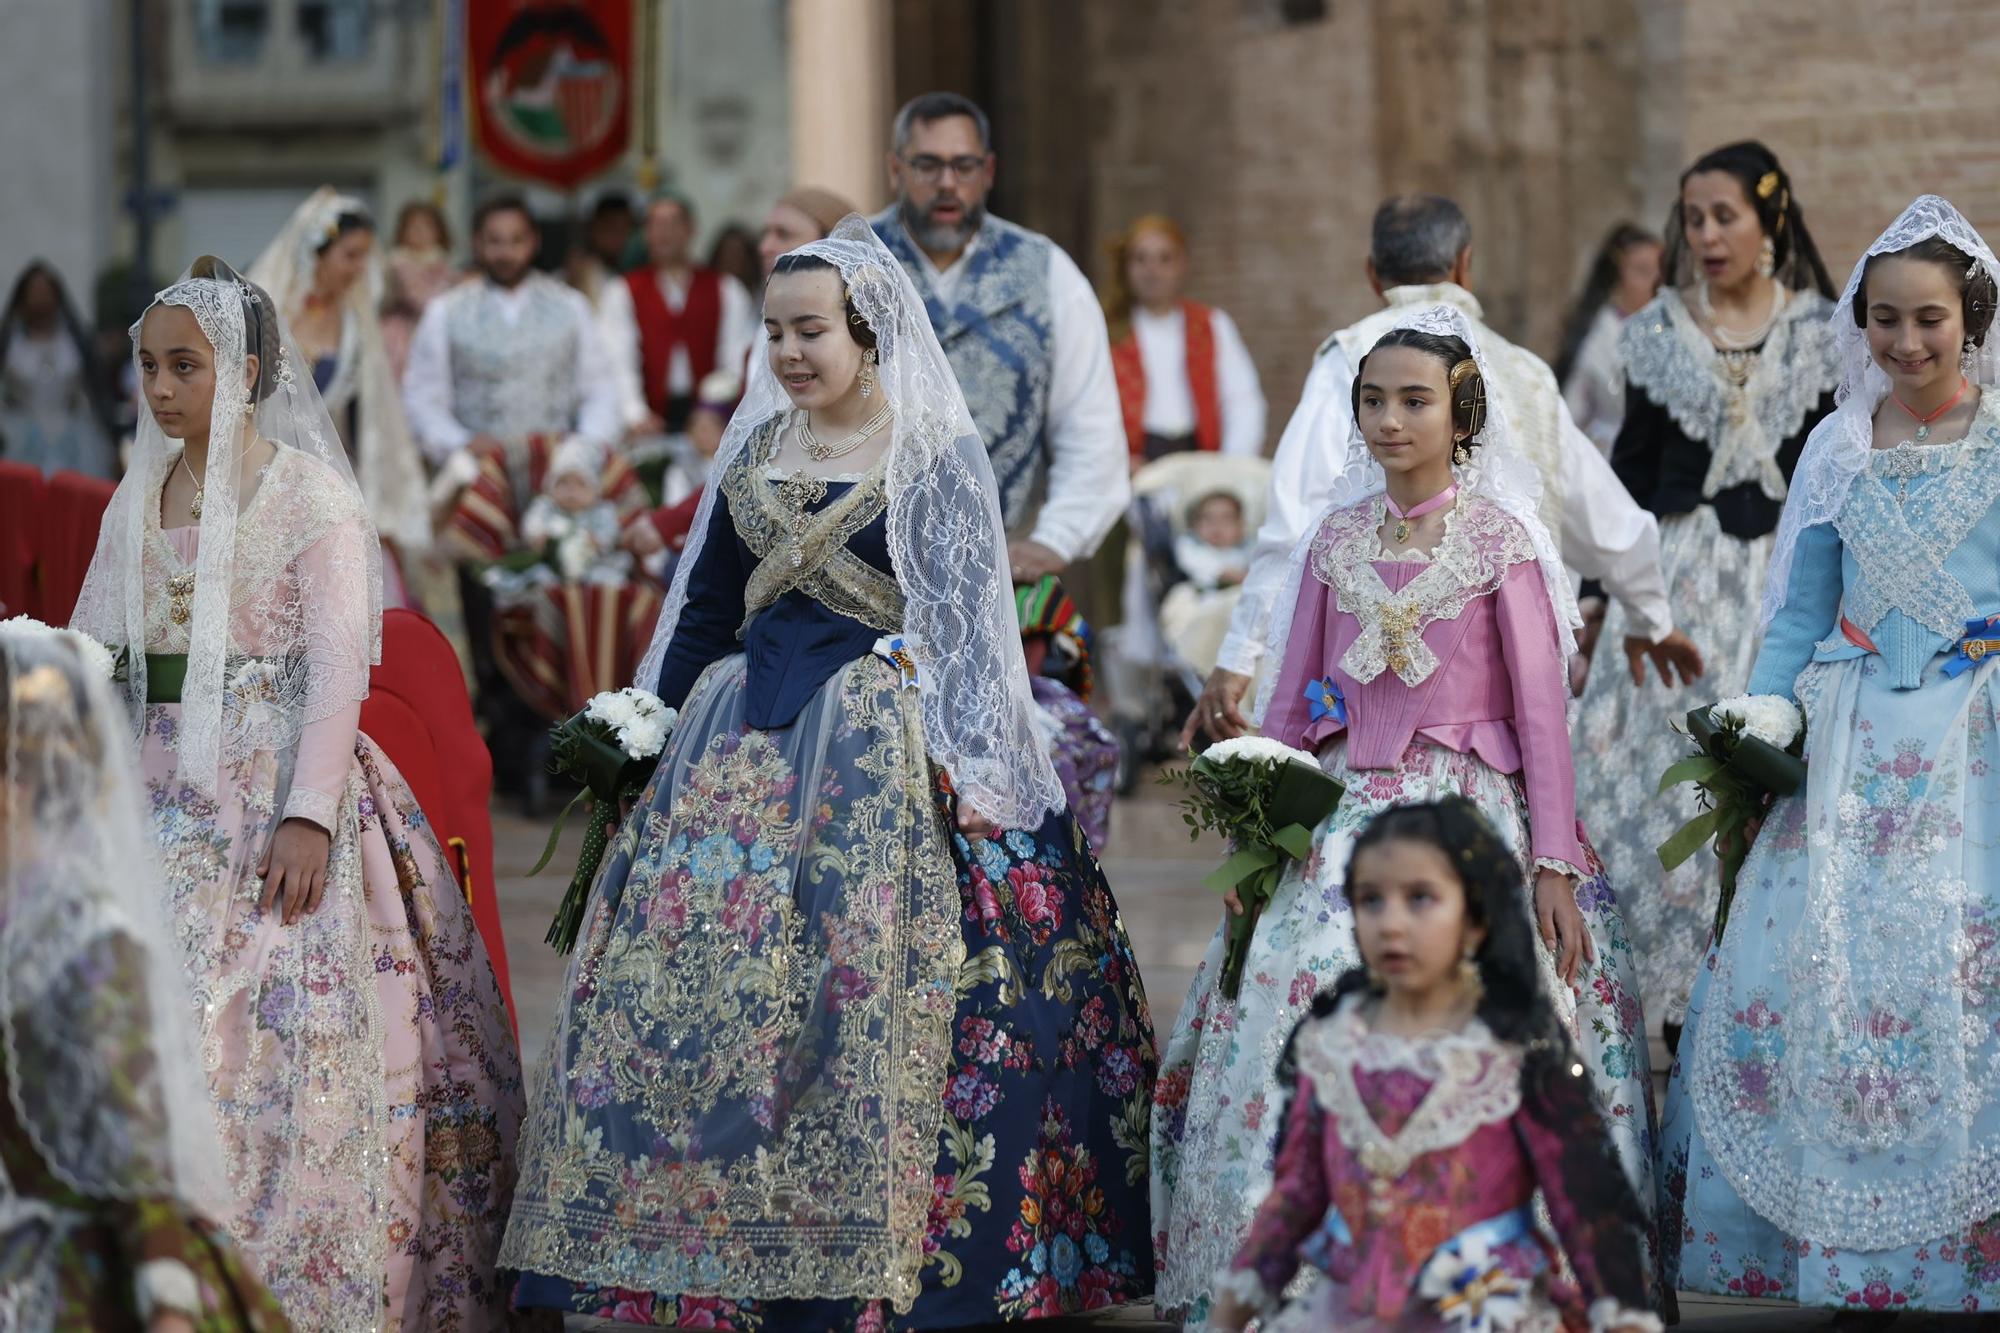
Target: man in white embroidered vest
1421,255
1023,331
500,371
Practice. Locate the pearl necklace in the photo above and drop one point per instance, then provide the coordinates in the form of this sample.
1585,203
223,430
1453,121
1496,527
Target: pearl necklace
841,448
1728,339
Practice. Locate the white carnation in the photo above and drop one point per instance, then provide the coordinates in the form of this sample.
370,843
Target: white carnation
1256,750
643,737
613,708
1771,718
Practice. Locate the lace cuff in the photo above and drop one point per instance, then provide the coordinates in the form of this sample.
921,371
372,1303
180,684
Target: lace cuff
166,1285
315,807
1606,1314
1559,866
1247,1287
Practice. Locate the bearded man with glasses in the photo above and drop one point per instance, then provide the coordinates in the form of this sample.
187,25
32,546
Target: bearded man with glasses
1023,331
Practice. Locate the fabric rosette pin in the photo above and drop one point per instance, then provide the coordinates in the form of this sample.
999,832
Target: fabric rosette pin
610,747
1266,798
1752,751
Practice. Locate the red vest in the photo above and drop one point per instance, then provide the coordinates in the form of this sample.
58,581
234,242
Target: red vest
1130,371
661,329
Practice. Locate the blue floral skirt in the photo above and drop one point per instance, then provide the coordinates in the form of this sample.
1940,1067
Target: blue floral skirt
1832,1131
821,1063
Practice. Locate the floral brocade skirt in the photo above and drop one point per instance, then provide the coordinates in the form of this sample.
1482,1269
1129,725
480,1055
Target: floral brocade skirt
1216,1115
1625,740
820,1063
1832,1130
364,1070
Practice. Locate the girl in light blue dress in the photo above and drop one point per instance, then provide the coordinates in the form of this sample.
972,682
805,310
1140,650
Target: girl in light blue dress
1832,1131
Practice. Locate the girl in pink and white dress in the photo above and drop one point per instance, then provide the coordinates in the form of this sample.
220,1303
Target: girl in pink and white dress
1429,623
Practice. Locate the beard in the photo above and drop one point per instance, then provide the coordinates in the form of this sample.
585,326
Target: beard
941,237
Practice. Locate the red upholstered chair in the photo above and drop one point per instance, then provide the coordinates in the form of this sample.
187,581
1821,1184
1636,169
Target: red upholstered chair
21,496
72,511
418,711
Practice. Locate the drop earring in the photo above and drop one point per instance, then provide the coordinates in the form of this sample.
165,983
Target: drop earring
1966,357
1460,453
1767,258
1468,977
868,373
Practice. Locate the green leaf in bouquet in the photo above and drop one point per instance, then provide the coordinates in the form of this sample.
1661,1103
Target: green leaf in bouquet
1239,867
1709,734
1295,839
1779,772
1697,768
1690,838
1304,794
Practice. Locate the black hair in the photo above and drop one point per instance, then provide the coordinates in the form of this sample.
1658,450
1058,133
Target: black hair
1468,394
1976,290
801,262
1768,187
927,107
503,203
1417,238
610,202
260,324
346,224
1597,289
73,328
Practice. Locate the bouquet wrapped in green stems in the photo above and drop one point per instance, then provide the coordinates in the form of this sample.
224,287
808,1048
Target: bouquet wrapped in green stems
1266,798
611,748
1751,751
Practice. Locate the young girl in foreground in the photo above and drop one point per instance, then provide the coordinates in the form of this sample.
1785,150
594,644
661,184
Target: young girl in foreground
1432,1094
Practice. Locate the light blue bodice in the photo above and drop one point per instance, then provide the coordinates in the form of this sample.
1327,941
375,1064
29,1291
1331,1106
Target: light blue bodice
1913,555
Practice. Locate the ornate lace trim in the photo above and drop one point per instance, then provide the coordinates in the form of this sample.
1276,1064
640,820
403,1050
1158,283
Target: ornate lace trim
314,806
1902,539
1475,1082
1666,354
1471,560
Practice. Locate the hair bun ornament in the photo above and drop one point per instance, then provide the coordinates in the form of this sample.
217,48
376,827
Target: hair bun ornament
1471,403
1768,185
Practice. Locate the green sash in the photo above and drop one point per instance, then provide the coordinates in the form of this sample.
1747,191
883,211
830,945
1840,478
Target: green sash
166,674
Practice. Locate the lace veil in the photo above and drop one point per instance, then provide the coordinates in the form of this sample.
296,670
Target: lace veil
101,1068
1837,450
385,454
946,539
285,617
1500,470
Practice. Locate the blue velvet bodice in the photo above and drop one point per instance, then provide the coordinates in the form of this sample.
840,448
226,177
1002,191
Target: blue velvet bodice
791,647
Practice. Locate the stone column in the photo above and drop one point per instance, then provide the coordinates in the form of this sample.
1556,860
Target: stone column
841,78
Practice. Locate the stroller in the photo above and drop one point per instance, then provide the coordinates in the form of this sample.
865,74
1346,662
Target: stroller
1156,660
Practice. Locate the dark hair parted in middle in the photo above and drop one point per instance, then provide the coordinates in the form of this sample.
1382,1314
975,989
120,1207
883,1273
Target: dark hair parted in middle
1975,289
801,262
1462,379
1768,187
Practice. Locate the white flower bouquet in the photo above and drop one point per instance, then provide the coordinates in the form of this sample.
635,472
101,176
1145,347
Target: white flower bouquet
90,650
611,748
1751,751
1266,798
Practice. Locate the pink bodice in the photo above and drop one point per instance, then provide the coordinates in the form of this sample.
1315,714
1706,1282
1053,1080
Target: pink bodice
1460,650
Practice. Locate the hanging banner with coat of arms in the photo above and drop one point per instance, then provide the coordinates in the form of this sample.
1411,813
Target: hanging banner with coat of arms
550,85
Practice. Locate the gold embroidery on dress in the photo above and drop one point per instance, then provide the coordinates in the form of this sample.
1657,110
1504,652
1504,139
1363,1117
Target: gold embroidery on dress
799,548
833,1201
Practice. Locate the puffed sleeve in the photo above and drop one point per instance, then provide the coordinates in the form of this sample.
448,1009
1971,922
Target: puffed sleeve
1590,1199
1296,1204
1810,613
706,632
1289,718
333,586
1540,684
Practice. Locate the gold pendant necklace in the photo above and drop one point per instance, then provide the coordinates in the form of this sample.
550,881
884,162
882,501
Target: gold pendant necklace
194,505
1402,530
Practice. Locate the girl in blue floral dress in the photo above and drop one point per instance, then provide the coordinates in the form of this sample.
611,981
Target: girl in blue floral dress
1832,1132
853,1037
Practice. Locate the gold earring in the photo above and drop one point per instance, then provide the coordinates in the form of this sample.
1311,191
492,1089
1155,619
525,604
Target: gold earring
1468,977
1767,258
868,373
1460,454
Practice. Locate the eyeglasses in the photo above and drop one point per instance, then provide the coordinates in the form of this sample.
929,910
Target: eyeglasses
930,169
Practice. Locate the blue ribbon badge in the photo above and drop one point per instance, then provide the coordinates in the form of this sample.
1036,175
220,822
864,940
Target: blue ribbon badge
1979,642
1326,700
892,649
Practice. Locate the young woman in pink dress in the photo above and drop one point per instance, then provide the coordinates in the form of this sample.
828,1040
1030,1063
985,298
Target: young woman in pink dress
364,1073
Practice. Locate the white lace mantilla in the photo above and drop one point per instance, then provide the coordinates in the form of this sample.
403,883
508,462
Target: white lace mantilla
1667,354
1902,538
1480,543
1475,1081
